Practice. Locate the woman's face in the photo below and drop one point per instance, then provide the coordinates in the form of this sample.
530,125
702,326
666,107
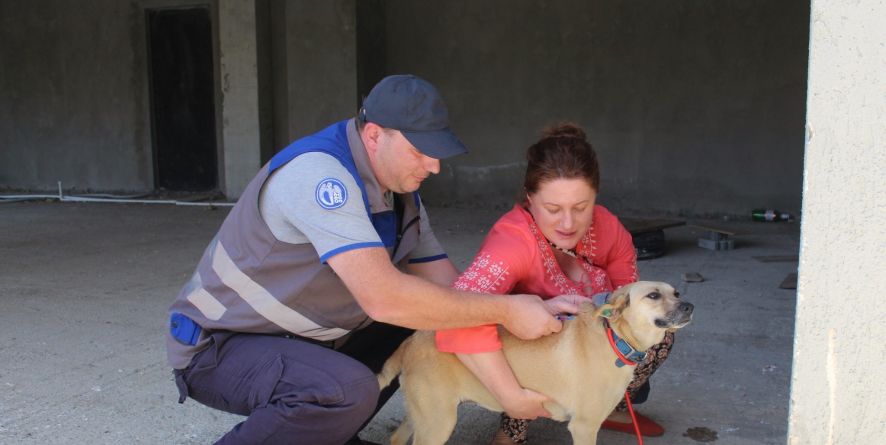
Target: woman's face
563,209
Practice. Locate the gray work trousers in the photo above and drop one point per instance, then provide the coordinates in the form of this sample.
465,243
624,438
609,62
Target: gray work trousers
293,391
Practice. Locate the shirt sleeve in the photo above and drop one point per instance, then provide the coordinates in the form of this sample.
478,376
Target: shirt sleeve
320,198
428,248
622,258
500,264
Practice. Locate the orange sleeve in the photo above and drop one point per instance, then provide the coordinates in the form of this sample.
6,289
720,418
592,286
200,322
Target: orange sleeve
469,340
621,260
499,265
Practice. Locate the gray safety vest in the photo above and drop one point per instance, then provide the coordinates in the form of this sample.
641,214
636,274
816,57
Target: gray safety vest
249,281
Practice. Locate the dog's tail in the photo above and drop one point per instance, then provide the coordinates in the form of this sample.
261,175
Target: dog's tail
393,365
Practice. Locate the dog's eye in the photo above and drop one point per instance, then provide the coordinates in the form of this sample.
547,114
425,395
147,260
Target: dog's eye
654,295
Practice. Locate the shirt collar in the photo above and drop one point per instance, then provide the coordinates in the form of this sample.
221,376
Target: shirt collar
376,198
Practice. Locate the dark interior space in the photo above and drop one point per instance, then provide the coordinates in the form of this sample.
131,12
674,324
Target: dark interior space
182,99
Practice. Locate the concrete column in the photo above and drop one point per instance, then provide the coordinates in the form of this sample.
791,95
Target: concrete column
240,133
839,365
321,66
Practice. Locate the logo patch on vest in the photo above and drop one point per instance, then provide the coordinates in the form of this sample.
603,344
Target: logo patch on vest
331,194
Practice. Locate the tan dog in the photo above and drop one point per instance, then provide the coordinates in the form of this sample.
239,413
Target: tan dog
576,367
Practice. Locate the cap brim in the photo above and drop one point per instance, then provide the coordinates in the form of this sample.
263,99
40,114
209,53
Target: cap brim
440,144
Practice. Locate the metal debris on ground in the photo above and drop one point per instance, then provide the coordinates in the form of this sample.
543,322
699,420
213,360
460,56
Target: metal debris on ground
701,434
716,238
692,277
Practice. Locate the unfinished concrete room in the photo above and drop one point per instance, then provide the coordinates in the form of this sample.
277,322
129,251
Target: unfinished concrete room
739,143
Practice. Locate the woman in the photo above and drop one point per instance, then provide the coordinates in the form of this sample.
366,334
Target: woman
556,242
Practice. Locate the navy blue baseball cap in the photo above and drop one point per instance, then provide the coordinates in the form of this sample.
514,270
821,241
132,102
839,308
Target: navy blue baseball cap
414,107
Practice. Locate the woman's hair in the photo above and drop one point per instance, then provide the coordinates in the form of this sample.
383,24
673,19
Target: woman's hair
562,152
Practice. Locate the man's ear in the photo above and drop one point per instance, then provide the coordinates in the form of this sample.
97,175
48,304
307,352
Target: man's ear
370,135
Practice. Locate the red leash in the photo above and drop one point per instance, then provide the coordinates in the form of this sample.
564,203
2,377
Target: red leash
634,419
627,396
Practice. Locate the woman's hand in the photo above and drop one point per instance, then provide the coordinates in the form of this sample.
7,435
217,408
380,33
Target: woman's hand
565,304
526,404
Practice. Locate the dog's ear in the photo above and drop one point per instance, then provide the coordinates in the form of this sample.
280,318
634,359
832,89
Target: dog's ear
619,300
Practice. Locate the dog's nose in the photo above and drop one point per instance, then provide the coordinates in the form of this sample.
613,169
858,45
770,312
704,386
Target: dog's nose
686,308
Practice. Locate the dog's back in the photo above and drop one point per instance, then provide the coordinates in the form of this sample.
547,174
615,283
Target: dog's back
561,366
576,368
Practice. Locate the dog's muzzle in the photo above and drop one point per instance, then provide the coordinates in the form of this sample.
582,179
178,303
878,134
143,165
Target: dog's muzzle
679,317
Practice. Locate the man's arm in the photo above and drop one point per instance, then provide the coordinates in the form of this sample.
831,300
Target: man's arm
390,296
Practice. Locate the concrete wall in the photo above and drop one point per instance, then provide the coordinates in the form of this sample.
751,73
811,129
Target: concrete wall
695,107
238,67
317,80
73,96
74,104
371,45
838,369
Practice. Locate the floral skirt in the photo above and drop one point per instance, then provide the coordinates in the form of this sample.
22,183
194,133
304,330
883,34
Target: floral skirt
517,429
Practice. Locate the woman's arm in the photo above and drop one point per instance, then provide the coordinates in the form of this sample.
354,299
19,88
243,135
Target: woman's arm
503,261
388,295
441,271
497,267
621,259
492,369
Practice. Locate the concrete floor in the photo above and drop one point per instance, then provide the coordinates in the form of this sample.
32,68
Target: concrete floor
84,289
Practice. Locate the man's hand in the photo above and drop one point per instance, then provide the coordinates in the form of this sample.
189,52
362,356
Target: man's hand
529,317
526,404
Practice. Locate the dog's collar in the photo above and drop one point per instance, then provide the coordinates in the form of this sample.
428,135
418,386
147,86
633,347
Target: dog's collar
601,298
626,353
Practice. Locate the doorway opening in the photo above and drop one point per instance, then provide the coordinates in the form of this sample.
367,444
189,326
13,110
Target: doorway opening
180,64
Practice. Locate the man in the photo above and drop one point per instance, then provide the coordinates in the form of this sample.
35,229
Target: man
324,266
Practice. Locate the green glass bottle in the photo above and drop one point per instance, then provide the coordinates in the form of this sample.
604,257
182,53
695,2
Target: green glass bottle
769,215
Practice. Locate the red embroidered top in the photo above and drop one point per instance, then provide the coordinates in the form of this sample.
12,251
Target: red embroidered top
516,258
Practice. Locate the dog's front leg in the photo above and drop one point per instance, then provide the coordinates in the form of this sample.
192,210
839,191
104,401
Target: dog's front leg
403,433
584,431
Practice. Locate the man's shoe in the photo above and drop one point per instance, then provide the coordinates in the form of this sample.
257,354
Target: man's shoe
648,427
